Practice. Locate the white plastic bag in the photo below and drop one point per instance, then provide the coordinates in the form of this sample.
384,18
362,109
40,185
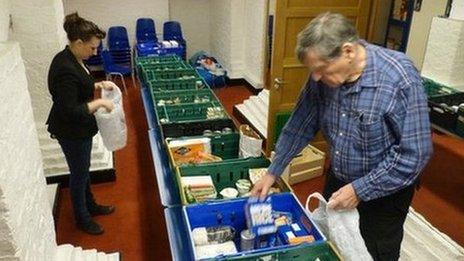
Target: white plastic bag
340,227
250,143
112,125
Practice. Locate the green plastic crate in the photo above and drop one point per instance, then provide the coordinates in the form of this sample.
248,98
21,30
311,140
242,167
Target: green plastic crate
225,173
435,89
157,59
159,67
178,84
175,74
187,112
281,120
184,96
224,145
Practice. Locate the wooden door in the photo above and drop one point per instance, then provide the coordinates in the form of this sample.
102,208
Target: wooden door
287,74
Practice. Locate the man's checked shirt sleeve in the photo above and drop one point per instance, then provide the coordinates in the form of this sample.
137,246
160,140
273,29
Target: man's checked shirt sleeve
298,131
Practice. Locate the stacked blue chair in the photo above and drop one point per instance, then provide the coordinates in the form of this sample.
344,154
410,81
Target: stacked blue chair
95,60
147,41
118,45
112,69
145,31
173,31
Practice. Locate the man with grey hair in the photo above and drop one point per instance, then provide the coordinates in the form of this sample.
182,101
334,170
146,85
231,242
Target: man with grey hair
371,107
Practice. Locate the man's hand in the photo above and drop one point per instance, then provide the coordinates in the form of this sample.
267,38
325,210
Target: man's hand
261,188
344,198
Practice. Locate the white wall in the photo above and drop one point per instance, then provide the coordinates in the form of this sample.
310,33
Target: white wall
444,56
457,10
107,13
420,28
194,17
26,222
39,41
220,32
4,19
237,37
255,29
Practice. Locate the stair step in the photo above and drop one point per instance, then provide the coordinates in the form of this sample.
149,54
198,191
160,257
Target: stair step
64,252
251,118
50,160
114,256
263,110
102,256
259,120
77,254
96,164
90,254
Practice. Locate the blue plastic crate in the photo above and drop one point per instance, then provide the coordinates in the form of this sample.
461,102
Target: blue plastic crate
231,213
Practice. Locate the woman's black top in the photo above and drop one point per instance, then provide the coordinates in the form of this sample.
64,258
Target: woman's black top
71,88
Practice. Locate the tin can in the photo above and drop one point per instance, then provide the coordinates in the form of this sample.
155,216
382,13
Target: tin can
227,130
247,240
207,133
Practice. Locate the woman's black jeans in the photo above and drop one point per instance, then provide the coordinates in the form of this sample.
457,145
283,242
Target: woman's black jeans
77,153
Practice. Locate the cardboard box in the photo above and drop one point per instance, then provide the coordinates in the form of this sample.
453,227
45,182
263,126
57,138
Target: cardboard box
305,175
308,164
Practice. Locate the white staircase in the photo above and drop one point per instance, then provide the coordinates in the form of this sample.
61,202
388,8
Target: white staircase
68,252
422,241
53,158
255,110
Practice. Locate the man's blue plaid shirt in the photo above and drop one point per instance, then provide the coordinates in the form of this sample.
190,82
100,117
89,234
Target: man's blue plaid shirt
378,128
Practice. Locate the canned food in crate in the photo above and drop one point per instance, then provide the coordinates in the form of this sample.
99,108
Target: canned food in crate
207,133
226,130
247,240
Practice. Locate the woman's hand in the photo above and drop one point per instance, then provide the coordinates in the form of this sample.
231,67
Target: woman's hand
107,85
94,105
107,104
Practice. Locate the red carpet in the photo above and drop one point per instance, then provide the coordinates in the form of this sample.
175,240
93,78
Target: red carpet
137,228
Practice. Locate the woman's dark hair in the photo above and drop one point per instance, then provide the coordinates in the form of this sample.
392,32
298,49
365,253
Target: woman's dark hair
77,27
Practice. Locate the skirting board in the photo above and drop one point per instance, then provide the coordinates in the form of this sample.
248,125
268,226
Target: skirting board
243,82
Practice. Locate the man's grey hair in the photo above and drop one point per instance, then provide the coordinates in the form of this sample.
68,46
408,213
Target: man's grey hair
325,34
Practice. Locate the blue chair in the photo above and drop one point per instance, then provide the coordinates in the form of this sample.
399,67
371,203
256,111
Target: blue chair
118,39
119,47
145,31
113,69
173,31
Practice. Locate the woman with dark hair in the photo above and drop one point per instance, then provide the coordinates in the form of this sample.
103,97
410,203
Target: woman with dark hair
71,120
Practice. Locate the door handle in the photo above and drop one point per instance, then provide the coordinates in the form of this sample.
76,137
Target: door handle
278,82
